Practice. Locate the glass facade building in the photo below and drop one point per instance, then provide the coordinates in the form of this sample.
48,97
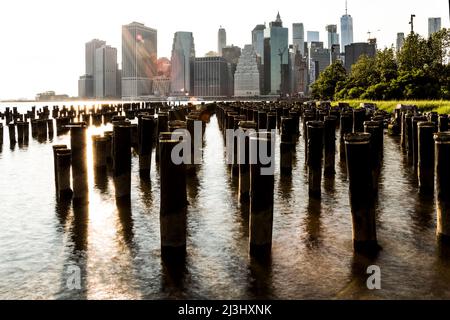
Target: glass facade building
183,57
276,58
139,56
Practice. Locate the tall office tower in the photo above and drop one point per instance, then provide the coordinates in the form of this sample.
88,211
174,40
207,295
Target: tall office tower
247,75
434,25
312,36
221,40
346,29
211,77
298,37
319,60
139,56
258,40
276,58
332,35
355,50
91,48
106,72
400,40
183,56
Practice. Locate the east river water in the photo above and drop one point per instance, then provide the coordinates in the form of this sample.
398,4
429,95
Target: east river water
118,248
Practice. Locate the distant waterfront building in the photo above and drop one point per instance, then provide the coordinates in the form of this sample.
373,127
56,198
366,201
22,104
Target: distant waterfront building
164,67
90,49
434,25
161,86
247,75
86,86
183,57
276,58
221,40
139,56
400,40
312,36
298,37
211,77
106,72
258,40
51,96
346,29
332,35
355,50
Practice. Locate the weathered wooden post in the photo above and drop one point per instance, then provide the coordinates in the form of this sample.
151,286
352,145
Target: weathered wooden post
146,138
79,165
99,145
12,133
359,116
55,165
287,145
63,162
425,165
315,152
122,161
244,164
415,121
261,196
442,160
360,185
173,203
330,145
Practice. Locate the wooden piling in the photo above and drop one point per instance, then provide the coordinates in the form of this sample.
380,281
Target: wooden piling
442,169
315,154
360,191
173,202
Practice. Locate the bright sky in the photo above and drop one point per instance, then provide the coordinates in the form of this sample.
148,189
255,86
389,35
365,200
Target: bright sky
42,42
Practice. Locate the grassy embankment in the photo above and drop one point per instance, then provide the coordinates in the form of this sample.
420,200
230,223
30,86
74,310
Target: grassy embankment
440,106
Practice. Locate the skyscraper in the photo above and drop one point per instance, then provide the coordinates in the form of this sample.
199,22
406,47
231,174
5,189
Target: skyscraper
312,36
332,35
211,77
434,25
298,37
183,56
319,60
247,75
221,40
139,55
88,79
258,40
276,58
106,72
346,29
400,40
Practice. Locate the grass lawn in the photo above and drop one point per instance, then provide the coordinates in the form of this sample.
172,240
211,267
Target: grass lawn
440,106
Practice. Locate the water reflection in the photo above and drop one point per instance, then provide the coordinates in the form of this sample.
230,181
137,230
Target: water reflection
260,278
313,223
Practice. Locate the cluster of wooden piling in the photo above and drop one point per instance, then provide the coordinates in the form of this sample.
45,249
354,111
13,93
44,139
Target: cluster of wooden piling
424,138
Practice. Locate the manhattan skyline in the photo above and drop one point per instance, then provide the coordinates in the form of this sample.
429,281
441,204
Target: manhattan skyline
45,49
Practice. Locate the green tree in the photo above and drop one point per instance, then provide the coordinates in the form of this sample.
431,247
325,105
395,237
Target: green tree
325,87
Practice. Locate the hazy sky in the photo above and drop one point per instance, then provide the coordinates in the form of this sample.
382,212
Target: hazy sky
42,42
